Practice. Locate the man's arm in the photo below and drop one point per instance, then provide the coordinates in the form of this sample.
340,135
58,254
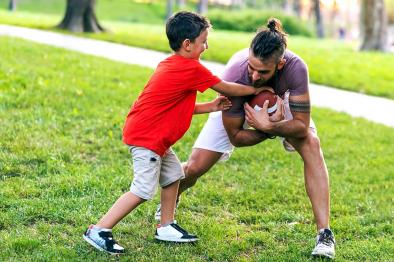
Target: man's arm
297,127
238,136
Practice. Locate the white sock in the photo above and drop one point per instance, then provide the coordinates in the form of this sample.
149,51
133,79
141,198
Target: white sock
96,228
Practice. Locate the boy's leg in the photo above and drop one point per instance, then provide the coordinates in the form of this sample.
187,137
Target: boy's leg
123,206
170,174
168,201
146,166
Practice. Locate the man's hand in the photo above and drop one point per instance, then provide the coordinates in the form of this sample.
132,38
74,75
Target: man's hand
258,120
279,113
221,103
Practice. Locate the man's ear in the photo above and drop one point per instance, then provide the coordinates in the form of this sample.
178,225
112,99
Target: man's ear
186,44
281,63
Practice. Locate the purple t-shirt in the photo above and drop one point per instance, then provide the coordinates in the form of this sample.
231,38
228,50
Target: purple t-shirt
293,77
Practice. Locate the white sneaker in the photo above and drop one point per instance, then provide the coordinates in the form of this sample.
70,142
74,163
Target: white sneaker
102,240
174,233
325,244
158,211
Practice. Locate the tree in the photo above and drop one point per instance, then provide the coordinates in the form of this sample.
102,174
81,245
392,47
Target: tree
12,5
80,16
318,19
373,25
297,7
170,8
202,6
181,3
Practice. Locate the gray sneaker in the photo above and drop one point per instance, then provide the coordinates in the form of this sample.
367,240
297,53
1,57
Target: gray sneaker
325,244
102,240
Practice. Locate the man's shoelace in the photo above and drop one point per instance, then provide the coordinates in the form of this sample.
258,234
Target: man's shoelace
326,239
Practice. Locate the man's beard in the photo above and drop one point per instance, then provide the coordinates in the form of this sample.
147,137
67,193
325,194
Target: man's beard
262,82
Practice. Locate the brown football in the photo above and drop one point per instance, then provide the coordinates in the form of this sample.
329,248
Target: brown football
258,100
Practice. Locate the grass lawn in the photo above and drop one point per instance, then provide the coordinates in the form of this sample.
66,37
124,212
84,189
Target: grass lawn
63,164
330,62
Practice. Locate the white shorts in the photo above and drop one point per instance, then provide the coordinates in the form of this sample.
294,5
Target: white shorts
214,137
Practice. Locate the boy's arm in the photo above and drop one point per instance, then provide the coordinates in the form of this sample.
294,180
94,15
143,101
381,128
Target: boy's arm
219,104
234,89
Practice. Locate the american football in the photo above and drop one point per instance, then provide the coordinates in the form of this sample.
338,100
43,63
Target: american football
258,100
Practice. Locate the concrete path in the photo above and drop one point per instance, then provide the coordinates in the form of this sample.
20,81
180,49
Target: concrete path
379,110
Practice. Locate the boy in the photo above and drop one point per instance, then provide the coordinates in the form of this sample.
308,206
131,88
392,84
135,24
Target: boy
160,116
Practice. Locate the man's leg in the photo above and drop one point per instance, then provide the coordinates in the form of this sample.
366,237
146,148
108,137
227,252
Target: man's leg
316,177
199,162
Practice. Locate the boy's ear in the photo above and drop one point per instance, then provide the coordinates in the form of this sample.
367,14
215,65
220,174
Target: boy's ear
186,44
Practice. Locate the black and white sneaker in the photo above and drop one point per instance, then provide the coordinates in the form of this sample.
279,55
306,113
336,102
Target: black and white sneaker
174,233
102,240
325,244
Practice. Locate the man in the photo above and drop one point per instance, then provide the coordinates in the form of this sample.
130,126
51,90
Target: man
268,63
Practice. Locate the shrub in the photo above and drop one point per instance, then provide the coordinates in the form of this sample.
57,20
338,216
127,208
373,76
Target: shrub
250,21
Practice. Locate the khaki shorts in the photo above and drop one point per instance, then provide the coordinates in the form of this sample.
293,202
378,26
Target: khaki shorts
150,170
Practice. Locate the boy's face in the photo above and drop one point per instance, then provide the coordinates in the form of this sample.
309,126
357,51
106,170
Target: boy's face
199,45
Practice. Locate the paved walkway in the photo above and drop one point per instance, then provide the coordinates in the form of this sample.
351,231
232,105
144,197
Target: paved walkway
379,110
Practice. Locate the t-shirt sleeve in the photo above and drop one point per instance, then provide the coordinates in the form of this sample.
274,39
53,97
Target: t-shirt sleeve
204,79
298,79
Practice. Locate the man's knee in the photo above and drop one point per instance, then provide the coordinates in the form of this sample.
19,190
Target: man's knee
313,141
193,169
308,144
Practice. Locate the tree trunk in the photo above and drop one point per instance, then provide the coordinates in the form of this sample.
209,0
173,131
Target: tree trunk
318,19
170,8
202,7
12,5
181,3
297,7
373,25
80,17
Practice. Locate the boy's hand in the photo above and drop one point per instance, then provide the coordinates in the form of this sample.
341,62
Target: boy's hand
221,103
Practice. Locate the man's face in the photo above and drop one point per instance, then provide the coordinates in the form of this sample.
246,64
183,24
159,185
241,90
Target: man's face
260,73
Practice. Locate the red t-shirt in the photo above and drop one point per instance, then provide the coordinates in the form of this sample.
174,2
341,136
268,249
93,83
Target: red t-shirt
163,112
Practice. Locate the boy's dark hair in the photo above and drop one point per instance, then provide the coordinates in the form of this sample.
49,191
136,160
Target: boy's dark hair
271,42
185,25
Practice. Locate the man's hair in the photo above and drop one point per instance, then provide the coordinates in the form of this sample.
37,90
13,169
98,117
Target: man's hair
270,43
185,25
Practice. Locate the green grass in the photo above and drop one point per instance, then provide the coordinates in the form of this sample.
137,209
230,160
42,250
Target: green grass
62,164
330,62
119,10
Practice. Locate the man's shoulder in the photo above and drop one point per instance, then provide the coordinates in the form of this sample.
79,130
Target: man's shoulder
236,67
293,60
239,58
